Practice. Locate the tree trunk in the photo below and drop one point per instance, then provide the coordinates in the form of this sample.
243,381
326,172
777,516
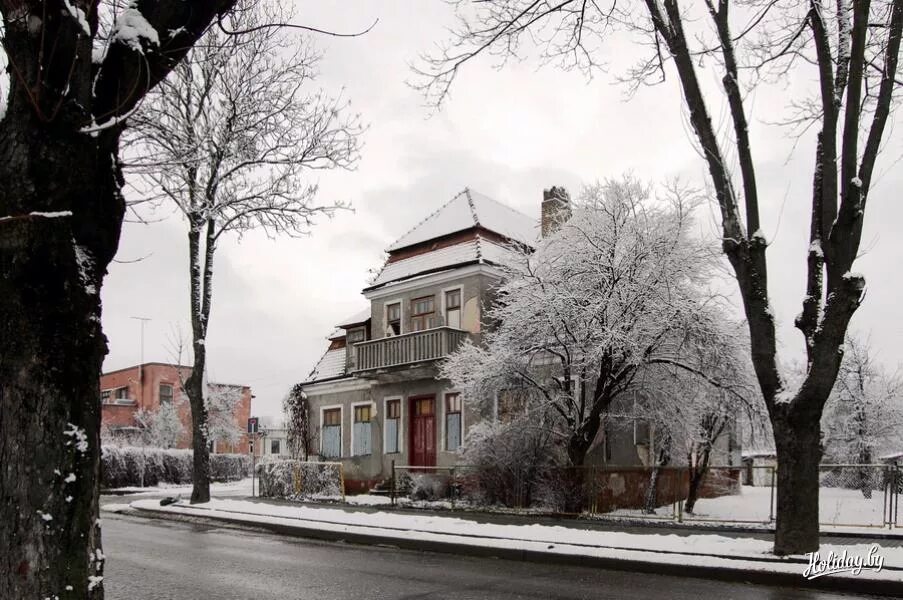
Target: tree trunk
663,457
799,451
697,475
52,263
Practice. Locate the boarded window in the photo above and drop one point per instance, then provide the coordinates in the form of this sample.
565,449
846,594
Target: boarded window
452,422
165,393
423,313
393,318
453,308
363,433
332,433
393,420
355,335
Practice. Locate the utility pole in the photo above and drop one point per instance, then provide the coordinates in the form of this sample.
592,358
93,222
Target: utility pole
141,363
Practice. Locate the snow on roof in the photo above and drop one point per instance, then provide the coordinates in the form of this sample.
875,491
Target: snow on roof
471,209
762,453
330,366
891,455
357,318
470,251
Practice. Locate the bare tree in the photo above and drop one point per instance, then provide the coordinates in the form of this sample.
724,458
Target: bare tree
852,48
73,79
229,138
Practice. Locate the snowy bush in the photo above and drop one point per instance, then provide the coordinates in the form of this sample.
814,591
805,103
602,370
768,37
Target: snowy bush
428,487
299,480
509,461
129,466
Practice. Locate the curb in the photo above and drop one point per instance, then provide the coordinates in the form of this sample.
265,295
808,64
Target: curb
729,574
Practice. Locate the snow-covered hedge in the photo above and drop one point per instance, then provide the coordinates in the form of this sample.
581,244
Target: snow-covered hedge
125,466
298,480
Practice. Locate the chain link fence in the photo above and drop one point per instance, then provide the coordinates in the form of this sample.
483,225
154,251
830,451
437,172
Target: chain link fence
849,495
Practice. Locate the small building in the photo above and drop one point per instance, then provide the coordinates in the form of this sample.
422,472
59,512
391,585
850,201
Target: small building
150,385
759,467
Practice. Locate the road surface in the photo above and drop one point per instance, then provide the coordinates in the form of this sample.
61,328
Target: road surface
159,560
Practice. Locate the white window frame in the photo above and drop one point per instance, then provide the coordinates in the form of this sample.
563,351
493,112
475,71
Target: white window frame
341,408
444,441
400,302
400,423
373,417
460,289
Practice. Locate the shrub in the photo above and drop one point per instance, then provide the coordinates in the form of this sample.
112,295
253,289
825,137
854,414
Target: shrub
299,480
132,466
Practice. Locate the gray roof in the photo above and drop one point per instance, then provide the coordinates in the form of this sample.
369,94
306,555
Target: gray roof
330,366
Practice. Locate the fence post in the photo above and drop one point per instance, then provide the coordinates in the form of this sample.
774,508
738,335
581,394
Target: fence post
453,482
392,484
771,500
342,480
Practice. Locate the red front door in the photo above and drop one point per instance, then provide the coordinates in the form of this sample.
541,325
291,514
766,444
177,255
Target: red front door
423,431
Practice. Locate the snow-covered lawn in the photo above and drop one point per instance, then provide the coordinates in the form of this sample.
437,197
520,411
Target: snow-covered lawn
837,507
229,488
700,549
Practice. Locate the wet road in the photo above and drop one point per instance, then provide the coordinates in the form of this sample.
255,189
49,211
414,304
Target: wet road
159,560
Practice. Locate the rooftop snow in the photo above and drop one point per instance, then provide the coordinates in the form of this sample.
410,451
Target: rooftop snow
471,209
466,252
330,366
355,319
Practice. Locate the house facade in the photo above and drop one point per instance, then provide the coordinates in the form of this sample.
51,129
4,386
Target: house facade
375,395
148,386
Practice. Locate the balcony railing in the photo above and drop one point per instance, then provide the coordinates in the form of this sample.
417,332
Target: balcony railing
406,349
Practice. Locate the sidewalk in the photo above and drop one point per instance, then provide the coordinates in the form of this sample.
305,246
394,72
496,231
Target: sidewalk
734,556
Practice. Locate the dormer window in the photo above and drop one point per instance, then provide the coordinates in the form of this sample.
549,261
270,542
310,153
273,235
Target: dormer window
358,334
423,313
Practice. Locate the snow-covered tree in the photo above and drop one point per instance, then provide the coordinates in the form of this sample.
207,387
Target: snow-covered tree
229,139
70,78
617,289
221,403
302,432
162,427
864,415
852,51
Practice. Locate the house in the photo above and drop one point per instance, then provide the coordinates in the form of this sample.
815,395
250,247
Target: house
149,386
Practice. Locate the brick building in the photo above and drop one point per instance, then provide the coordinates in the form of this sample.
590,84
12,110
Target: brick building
126,391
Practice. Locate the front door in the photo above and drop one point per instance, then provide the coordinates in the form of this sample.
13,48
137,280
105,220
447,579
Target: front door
423,431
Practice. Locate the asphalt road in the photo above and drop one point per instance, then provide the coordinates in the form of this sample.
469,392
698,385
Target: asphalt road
160,560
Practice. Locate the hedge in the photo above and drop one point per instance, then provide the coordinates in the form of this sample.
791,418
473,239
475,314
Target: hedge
123,466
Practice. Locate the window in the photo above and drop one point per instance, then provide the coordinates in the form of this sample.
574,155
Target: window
512,403
165,393
105,396
275,447
358,334
452,421
362,432
453,308
332,433
423,314
393,426
121,396
393,318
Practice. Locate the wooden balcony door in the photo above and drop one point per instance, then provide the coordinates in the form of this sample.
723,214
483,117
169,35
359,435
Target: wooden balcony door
423,431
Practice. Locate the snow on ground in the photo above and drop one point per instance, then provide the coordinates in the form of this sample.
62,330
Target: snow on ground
115,508
229,488
368,500
837,507
698,549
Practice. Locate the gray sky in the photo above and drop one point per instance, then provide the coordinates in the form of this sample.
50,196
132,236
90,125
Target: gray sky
506,133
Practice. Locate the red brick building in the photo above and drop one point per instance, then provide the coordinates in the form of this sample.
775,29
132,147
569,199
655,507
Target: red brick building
125,391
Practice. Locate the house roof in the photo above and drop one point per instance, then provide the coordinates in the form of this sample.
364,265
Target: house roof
357,318
467,210
330,366
478,250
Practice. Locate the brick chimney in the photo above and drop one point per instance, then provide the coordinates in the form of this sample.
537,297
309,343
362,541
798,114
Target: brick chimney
556,208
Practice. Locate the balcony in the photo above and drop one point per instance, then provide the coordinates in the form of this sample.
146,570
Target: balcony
406,349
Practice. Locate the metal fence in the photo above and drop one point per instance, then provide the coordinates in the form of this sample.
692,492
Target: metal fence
849,495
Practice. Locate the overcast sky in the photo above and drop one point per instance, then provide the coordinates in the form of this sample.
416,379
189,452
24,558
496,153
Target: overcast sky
508,134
